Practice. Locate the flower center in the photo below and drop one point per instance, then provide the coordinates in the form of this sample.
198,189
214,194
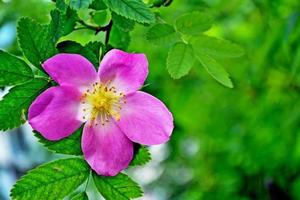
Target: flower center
101,103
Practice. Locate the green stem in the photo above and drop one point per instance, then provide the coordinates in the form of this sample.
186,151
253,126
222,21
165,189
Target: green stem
43,77
108,30
87,182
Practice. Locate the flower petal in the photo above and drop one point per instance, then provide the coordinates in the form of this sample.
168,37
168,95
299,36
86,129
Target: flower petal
54,112
107,150
145,119
70,69
126,71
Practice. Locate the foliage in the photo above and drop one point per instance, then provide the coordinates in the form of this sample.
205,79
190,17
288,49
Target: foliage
54,180
81,196
132,9
236,128
180,59
14,105
186,29
141,157
35,41
118,187
19,72
91,51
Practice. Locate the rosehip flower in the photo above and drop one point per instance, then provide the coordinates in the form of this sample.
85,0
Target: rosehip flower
115,114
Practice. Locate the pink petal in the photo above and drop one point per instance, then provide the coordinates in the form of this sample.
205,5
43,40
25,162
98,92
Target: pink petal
127,71
145,119
70,69
107,150
54,112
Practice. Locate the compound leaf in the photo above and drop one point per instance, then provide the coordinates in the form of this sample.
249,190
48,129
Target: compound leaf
162,34
35,41
51,181
119,187
14,105
194,23
13,70
135,10
215,69
180,60
217,47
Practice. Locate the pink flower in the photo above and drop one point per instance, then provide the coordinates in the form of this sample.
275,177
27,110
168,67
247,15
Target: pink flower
114,112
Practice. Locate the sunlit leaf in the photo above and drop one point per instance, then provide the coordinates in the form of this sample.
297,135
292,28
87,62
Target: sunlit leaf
194,23
101,17
162,34
13,70
119,187
80,4
216,47
80,196
132,9
53,180
35,41
215,69
180,60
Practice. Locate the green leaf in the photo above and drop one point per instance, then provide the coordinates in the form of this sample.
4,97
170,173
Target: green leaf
80,4
81,196
194,23
62,23
216,47
98,5
13,70
119,187
119,39
90,51
61,5
214,69
132,9
70,145
180,60
122,23
162,34
96,48
14,106
53,180
35,41
141,156
101,17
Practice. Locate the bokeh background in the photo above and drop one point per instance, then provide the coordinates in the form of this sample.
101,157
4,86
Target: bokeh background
238,144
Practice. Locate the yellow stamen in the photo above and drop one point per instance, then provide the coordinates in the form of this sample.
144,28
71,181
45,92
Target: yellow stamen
105,101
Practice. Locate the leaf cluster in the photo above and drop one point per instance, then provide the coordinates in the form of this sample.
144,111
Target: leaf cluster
188,45
27,79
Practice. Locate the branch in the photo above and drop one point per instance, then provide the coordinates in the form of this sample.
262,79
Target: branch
108,30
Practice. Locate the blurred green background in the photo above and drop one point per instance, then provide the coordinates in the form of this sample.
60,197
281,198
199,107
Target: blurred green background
238,144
